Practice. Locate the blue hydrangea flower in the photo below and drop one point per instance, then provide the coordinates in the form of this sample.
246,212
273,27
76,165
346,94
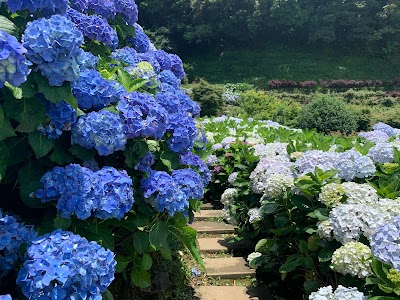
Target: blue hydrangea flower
127,55
76,188
145,163
53,44
183,130
14,67
375,136
94,28
193,160
87,60
163,59
102,130
117,197
93,91
385,244
5,297
382,153
165,87
45,7
128,10
12,236
142,115
104,8
168,77
177,66
201,140
140,42
62,115
63,265
189,182
352,164
384,127
151,59
167,196
79,5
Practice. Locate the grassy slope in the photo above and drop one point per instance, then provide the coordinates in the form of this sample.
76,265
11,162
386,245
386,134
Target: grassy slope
258,66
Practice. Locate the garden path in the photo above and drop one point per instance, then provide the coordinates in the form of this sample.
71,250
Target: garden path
223,259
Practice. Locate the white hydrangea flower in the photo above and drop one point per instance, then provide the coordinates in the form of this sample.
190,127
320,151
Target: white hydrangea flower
217,147
210,137
229,195
324,230
277,184
360,193
350,221
324,293
254,215
272,150
296,155
253,256
228,215
211,160
332,194
353,258
390,208
316,158
352,164
341,293
254,140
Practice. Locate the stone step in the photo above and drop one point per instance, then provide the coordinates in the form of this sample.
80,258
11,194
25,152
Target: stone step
228,268
213,227
218,245
206,214
231,292
206,206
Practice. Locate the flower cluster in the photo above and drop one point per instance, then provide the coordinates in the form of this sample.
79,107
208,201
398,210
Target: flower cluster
94,28
375,136
189,182
193,160
252,256
316,158
45,7
232,177
382,153
170,193
353,258
53,44
5,297
228,198
87,60
128,10
14,67
351,164
183,131
332,194
385,243
389,130
106,193
93,91
254,215
127,55
145,163
272,150
341,293
63,265
142,116
140,42
13,236
102,130
62,115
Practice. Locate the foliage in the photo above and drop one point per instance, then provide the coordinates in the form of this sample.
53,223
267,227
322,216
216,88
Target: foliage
327,114
209,97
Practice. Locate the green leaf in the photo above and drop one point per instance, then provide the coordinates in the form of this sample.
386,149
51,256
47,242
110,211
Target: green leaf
60,155
140,278
4,154
101,234
107,295
188,237
6,130
385,288
166,253
303,246
16,91
82,153
141,241
30,113
147,261
124,78
135,152
290,266
8,26
40,144
122,263
136,84
383,298
60,222
263,245
325,254
158,235
170,159
378,269
55,94
280,221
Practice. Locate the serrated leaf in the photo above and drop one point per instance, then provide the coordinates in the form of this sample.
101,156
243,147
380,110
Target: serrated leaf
40,144
8,26
30,113
4,154
140,278
141,241
16,91
62,223
159,235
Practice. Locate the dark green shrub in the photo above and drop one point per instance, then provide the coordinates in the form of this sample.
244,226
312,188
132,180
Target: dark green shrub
209,97
327,114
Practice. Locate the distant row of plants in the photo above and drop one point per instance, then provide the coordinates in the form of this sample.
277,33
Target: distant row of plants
331,84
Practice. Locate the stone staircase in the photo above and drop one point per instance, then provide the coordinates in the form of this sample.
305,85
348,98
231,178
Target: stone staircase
209,223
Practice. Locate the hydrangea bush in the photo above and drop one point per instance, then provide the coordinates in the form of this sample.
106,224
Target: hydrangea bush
322,210
96,150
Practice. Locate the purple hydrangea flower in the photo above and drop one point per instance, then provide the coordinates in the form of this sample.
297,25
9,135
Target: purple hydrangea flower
63,265
375,136
14,67
384,127
382,153
142,115
53,44
102,130
46,7
93,91
94,28
12,236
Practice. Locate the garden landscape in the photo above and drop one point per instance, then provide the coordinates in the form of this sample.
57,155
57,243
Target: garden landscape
220,149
